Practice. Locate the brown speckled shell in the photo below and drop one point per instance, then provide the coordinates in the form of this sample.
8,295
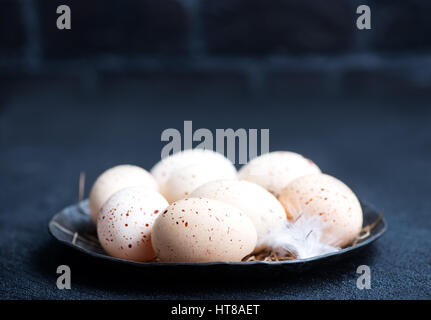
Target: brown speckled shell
163,170
202,230
275,170
329,199
183,182
115,179
264,210
125,222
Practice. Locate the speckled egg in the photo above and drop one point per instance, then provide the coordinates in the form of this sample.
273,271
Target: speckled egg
183,181
115,179
202,230
125,222
264,210
275,170
323,196
163,169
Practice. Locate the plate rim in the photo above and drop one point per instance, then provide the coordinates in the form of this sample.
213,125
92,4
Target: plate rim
97,255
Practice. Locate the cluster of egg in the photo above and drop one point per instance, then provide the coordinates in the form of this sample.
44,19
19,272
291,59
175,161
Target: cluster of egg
195,207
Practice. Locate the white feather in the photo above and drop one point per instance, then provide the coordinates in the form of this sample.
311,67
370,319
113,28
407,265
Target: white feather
301,237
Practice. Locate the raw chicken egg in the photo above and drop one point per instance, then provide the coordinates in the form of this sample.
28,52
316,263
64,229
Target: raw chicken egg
125,222
115,179
183,181
264,210
275,170
163,170
329,199
202,230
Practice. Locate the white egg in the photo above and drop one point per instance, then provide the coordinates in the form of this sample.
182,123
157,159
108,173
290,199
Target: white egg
125,222
183,181
163,169
202,230
264,210
115,179
327,199
275,170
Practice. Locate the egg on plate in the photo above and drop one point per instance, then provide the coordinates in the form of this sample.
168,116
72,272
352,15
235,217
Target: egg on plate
264,210
193,167
183,181
275,170
202,230
328,199
125,221
115,179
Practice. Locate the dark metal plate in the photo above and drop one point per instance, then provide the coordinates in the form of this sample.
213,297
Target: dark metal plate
73,227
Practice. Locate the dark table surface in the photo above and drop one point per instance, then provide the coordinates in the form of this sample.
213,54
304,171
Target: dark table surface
51,131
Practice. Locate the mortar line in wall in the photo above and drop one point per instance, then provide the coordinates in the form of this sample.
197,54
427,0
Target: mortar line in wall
364,60
196,43
30,20
363,39
240,64
255,75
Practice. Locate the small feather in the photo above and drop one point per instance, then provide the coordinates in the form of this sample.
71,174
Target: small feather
301,238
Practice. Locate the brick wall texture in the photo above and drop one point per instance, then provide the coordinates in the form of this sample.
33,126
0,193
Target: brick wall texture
293,41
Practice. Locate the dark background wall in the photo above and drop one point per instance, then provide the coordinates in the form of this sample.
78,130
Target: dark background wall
270,47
